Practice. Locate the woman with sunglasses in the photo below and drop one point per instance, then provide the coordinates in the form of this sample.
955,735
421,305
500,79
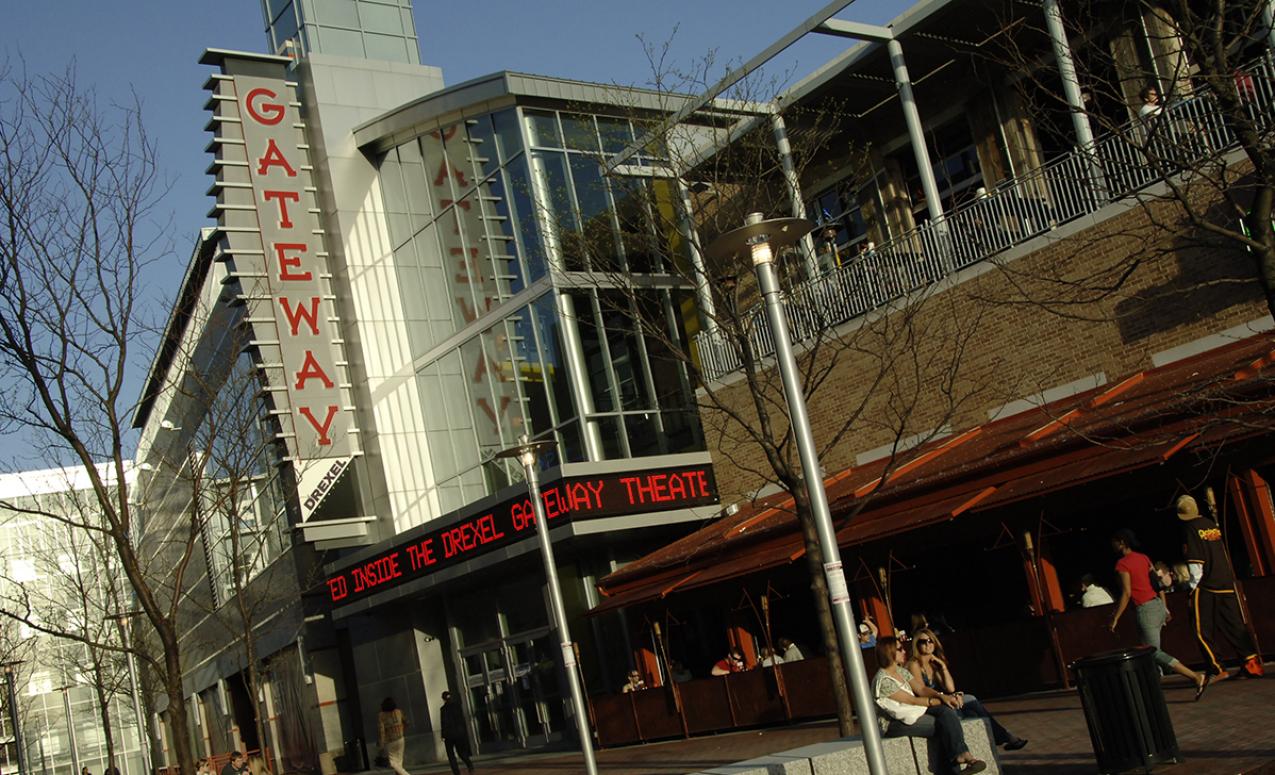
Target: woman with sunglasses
910,705
929,664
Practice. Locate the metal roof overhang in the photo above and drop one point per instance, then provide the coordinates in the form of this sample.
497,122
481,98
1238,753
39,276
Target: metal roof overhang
1131,425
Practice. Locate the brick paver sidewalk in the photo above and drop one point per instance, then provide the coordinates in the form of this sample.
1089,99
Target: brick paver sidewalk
1229,732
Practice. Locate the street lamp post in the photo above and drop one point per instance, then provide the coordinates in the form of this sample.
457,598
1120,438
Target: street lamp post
527,452
760,237
9,668
70,729
143,738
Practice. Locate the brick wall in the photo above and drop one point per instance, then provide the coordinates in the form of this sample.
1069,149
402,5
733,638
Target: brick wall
1103,296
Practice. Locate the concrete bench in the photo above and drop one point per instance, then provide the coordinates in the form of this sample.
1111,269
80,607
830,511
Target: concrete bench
903,755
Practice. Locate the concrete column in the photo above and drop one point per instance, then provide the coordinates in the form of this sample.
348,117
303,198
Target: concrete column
703,289
798,205
915,135
1067,70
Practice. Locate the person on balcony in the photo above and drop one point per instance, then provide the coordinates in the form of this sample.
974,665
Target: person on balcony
868,632
790,651
733,662
1216,603
1151,105
1135,570
912,708
929,663
769,658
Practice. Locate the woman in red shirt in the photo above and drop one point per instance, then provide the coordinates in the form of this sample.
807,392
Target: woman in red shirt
1134,569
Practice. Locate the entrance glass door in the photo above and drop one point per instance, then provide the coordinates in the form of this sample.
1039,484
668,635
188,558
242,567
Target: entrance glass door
539,696
492,700
514,696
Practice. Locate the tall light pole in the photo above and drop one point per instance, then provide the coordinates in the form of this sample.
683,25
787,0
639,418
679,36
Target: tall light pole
528,452
9,668
124,619
70,729
760,237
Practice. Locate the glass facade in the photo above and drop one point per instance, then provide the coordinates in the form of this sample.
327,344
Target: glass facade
364,29
480,212
53,573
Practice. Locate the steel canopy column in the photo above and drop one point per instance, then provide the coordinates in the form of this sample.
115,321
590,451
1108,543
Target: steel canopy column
780,130
1067,71
1268,18
703,290
915,134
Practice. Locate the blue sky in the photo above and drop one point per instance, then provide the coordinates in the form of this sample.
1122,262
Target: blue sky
152,47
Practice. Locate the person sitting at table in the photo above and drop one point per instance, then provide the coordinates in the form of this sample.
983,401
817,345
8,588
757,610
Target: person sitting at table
733,662
930,665
911,706
634,683
769,658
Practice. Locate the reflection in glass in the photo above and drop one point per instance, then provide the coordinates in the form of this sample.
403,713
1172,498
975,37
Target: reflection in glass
542,128
558,213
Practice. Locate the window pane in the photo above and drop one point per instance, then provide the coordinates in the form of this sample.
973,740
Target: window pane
616,134
542,128
554,369
595,211
557,212
526,223
337,13
579,133
380,18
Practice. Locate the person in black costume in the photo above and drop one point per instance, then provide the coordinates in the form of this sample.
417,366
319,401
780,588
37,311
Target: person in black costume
1214,601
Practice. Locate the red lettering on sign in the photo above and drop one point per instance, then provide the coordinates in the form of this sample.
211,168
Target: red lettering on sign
288,262
267,113
445,170
320,428
376,572
282,197
421,555
273,157
310,369
300,313
338,588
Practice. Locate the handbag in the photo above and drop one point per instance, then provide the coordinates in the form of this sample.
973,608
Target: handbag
381,760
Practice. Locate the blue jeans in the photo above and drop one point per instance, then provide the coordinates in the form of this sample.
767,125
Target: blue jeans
1152,616
941,723
974,709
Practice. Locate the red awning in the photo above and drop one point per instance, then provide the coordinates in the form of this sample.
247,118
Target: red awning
1140,421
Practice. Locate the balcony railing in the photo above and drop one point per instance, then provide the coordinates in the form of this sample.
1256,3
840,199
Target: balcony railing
1080,183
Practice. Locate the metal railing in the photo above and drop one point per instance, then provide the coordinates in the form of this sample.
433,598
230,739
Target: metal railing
1122,162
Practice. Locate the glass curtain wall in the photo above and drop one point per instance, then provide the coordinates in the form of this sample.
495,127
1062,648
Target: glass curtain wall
476,219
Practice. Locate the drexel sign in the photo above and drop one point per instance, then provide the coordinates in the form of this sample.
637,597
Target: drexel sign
475,532
272,242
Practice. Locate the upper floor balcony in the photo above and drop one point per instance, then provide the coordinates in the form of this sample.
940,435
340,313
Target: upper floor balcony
1171,142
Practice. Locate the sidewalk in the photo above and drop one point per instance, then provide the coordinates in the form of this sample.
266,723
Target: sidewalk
1231,731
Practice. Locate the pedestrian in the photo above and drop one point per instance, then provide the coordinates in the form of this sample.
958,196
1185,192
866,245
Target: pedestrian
237,764
1135,571
456,733
1214,599
790,651
908,702
633,683
391,728
85,770
929,663
733,662
1092,595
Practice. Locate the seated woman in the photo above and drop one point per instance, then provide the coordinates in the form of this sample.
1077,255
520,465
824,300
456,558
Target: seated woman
930,665
909,703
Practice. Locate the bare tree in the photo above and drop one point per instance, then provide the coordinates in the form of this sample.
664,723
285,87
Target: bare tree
895,378
79,194
1183,129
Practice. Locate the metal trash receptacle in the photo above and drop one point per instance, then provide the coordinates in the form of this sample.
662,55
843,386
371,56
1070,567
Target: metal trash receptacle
1128,720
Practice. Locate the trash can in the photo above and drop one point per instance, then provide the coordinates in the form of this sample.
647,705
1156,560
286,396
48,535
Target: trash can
1128,720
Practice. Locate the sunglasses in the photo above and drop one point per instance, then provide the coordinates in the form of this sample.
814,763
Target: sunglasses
924,642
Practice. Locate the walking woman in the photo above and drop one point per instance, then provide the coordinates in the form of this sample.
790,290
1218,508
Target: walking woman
910,703
1134,569
390,729
929,663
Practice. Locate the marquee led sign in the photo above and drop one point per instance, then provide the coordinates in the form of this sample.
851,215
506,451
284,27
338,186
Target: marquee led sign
513,519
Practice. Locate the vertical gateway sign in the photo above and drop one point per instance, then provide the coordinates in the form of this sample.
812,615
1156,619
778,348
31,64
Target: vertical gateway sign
272,242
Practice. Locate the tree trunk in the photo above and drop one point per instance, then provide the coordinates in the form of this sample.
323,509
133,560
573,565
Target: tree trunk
177,719
1266,271
104,708
823,611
